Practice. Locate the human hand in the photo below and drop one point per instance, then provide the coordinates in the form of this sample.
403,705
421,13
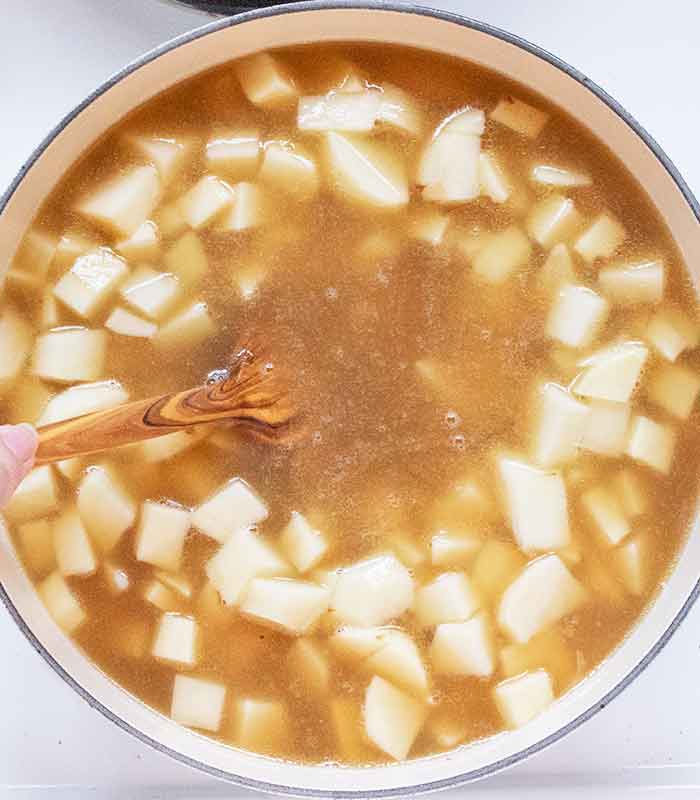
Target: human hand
17,449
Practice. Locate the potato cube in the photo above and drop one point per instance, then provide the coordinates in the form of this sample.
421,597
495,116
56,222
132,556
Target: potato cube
399,111
429,227
15,345
632,492
522,699
607,514
448,598
543,593
496,567
169,156
463,648
399,661
35,253
606,428
50,316
557,271
70,246
261,725
142,245
63,606
286,168
632,563
74,554
205,201
163,448
105,508
307,661
392,718
187,259
132,639
600,239
176,639
348,727
612,373
247,209
126,202
188,328
446,731
36,544
349,112
289,605
561,426
631,284
160,596
301,544
124,323
116,578
548,650
556,176
492,182
266,81
170,221
520,117
244,556
83,399
670,332
35,497
651,443
235,154
22,282
65,355
150,292
449,168
409,552
577,315
160,538
91,281
537,505
553,219
178,583
373,592
197,703
675,389
233,507
449,549
504,253
355,644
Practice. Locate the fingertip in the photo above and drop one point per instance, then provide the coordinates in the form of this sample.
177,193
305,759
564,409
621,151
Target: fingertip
21,440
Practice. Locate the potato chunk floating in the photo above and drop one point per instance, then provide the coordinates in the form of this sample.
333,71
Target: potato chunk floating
71,354
557,271
261,725
61,603
543,593
632,284
398,110
308,662
607,514
453,549
492,182
600,239
448,598
206,200
561,426
142,245
187,259
303,545
553,220
670,333
125,203
15,345
169,156
463,648
522,699
606,428
234,154
151,293
197,703
502,255
247,209
266,81
557,176
631,562
520,117
91,281
124,323
36,496
286,168
373,592
105,508
74,553
351,112
83,399
35,253
495,567
233,507
675,389
651,443
160,538
537,505
392,718
612,373
36,544
176,640
576,316
399,661
289,605
188,328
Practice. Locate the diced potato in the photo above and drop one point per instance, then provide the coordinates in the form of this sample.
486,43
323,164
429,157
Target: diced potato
105,508
290,605
178,583
74,554
70,468
288,169
15,345
504,253
552,220
373,592
365,173
631,284
266,81
35,497
116,578
36,543
537,505
150,292
187,259
65,355
492,182
357,644
651,443
197,703
83,399
606,512
132,639
399,661
561,426
143,244
22,282
348,727
244,556
522,699
606,428
675,389
556,176
448,598
612,373
261,725
70,246
61,603
35,253
176,640
124,323
449,169
205,201
307,661
557,271
409,552
246,211
465,500
169,156
548,650
126,202
235,154
577,315
520,117
631,562
233,507
351,112
600,239
50,316
632,492
543,593
471,241
399,110
301,544
91,281
453,549
429,227
446,731
671,332
496,567
161,596
393,719
188,328
160,538
163,448
463,648
170,221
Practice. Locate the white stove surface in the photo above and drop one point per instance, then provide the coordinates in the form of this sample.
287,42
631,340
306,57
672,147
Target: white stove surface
647,742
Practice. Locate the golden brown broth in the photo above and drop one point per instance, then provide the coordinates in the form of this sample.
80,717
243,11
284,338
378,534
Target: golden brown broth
381,447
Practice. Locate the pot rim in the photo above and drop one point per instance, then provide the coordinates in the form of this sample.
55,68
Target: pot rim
625,116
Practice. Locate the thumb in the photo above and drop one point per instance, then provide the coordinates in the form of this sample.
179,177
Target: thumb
18,445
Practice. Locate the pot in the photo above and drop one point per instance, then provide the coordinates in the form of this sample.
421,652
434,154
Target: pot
367,21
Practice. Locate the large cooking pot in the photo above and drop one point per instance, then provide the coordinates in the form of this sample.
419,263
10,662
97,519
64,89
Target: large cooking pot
368,21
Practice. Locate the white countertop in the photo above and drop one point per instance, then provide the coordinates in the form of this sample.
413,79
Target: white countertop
647,742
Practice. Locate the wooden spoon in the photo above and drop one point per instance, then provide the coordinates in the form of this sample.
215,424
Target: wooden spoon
250,392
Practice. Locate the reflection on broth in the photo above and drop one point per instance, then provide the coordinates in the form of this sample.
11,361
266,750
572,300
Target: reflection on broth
495,347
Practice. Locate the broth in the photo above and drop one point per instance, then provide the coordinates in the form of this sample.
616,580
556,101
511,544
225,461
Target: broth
494,343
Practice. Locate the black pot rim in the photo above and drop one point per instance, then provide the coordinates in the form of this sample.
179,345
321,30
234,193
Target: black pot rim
407,8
